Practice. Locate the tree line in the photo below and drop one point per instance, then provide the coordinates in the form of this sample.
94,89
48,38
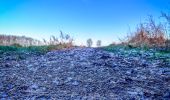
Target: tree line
8,40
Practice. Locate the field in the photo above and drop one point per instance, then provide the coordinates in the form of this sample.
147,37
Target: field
112,72
84,50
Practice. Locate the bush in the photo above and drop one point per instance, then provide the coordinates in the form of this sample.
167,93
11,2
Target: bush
149,34
16,45
167,44
64,41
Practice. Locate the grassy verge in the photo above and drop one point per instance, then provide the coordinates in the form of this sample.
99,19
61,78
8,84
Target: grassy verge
155,53
116,48
39,49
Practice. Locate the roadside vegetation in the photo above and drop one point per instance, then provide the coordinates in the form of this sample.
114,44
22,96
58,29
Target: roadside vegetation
148,35
139,66
16,43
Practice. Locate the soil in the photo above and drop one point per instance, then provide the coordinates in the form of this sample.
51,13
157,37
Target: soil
84,74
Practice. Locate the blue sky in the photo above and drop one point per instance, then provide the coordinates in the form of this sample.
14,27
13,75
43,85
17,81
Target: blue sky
106,20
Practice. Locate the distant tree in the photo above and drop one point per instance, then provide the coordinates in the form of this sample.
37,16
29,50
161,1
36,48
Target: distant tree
89,42
98,43
19,40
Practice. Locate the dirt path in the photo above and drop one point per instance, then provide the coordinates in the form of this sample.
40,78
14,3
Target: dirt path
84,73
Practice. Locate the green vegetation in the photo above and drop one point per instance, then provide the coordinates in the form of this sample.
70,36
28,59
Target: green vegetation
114,48
40,49
8,44
148,36
127,49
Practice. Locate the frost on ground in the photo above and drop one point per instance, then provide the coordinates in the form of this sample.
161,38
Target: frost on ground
84,73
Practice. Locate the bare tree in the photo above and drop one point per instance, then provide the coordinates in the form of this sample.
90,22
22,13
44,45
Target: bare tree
98,43
148,34
89,42
167,17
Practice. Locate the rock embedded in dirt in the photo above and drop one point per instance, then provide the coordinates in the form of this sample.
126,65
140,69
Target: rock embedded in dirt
84,73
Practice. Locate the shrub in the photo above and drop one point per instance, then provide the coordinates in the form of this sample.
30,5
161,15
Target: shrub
167,44
148,34
65,41
167,17
16,45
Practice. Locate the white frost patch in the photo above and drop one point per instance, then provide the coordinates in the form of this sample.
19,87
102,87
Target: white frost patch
32,68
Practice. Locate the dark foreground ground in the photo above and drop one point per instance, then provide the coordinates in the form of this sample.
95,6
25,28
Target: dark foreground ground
85,74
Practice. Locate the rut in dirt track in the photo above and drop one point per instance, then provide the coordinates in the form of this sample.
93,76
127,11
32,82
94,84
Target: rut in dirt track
83,73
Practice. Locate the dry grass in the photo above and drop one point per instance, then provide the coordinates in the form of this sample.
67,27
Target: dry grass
9,42
65,40
148,34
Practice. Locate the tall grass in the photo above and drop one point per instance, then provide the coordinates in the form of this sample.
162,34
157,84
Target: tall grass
7,43
148,34
65,40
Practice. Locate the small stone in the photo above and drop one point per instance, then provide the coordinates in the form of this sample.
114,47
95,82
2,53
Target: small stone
167,94
56,81
34,86
105,57
127,79
75,83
